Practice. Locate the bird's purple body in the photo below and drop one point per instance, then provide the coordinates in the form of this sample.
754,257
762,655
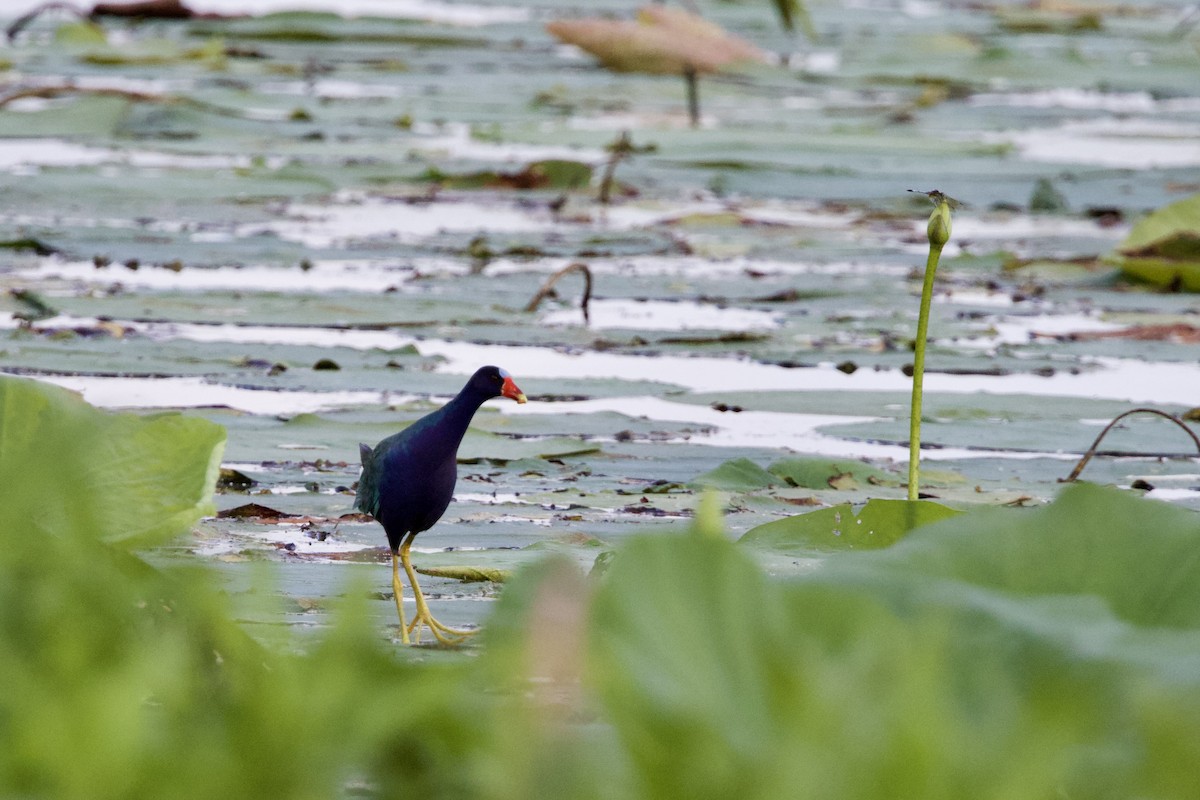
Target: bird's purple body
408,479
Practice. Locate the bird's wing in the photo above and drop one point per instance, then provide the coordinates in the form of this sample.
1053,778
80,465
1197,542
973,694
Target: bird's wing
367,498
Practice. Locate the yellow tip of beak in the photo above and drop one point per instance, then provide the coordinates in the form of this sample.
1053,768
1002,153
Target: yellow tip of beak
512,391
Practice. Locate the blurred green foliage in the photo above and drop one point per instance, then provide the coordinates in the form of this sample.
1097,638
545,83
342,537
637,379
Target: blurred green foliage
1002,654
71,470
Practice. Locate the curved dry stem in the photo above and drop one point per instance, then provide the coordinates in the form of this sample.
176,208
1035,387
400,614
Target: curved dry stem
1091,451
22,22
548,288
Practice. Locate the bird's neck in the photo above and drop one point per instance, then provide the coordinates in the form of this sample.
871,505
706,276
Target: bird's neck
458,412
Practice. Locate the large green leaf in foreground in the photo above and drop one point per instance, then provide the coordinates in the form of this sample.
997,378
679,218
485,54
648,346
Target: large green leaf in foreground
70,469
1099,574
1012,654
1003,655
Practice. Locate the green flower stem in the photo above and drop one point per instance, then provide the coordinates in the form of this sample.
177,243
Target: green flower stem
939,234
914,422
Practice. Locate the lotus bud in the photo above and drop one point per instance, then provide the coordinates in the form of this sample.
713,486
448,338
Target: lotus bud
939,222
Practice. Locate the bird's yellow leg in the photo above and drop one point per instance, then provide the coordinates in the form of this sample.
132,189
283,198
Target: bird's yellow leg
398,593
443,633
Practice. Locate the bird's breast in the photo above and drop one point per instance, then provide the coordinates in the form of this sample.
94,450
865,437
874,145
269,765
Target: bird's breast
414,494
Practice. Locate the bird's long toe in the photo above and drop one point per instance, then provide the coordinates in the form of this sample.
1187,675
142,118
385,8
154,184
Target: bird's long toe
444,634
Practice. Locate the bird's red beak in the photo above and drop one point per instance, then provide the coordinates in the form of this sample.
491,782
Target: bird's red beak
511,391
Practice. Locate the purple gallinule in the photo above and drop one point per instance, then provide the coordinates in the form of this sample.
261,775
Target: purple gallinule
408,480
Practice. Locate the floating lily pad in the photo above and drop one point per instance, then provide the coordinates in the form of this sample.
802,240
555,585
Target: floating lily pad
738,474
817,473
879,524
549,174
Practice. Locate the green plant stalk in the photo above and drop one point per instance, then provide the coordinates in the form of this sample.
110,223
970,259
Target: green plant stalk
939,234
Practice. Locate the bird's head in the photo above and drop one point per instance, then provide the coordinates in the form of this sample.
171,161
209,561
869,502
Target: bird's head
496,382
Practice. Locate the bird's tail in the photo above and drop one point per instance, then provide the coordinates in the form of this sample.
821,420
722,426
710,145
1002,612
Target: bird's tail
364,498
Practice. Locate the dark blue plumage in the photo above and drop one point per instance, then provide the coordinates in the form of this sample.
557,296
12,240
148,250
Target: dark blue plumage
408,479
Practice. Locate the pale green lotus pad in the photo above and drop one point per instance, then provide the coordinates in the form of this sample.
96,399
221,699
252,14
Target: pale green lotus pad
71,470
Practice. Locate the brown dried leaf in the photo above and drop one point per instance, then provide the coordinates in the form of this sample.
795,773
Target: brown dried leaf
1179,332
662,41
844,482
252,511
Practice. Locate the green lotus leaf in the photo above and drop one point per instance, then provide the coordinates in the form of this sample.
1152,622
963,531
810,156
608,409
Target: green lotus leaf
825,473
737,474
71,470
880,523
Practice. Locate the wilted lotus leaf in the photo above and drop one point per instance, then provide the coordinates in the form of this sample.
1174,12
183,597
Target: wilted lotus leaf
662,41
1172,231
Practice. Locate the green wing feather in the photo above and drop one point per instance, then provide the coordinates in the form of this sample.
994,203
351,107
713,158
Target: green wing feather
367,499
